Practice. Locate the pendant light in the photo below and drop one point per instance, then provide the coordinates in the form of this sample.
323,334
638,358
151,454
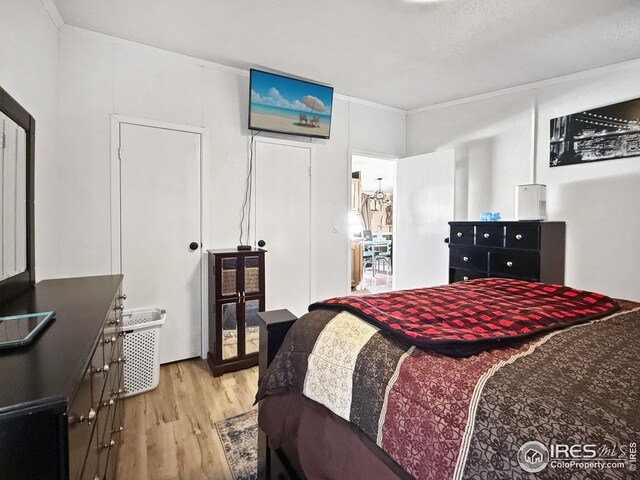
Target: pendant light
379,196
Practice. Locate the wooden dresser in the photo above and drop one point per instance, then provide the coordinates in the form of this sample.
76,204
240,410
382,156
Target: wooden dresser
527,250
61,400
236,295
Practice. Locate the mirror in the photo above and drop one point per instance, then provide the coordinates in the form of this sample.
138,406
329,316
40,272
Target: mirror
13,198
17,142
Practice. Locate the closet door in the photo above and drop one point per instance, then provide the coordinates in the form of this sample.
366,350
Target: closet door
161,233
282,202
423,205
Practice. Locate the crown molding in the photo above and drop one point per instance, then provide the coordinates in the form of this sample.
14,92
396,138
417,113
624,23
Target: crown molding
592,72
53,12
369,103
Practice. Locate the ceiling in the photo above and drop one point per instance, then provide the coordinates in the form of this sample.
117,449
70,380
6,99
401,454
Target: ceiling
371,169
401,53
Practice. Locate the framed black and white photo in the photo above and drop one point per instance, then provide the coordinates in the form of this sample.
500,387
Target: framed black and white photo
603,133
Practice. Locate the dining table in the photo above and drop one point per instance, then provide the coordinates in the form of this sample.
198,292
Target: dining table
373,246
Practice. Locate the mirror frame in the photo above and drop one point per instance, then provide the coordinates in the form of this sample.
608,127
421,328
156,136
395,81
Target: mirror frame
12,286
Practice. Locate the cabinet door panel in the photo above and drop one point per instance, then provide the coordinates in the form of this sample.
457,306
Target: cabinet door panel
81,425
461,235
458,274
523,236
252,275
251,309
489,235
228,271
229,330
468,258
515,264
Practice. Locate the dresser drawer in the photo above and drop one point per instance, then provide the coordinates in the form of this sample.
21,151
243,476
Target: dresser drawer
459,274
517,264
526,236
489,235
461,235
468,258
82,420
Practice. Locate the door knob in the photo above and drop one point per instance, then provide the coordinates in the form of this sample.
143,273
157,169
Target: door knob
193,245
261,243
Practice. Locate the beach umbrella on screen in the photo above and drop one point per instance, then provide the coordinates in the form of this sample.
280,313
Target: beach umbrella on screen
313,103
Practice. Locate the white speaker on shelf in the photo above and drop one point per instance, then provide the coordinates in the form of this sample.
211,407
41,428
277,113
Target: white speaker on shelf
531,202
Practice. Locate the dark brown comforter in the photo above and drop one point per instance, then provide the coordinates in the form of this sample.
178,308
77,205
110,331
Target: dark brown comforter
441,417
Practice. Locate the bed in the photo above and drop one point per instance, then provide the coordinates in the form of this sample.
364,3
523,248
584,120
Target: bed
453,382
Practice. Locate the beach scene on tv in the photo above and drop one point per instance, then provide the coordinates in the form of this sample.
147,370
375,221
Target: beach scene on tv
290,106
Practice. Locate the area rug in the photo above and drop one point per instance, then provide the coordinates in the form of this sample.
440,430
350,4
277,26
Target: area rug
239,436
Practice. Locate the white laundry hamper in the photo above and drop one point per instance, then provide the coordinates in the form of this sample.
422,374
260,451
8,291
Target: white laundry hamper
141,348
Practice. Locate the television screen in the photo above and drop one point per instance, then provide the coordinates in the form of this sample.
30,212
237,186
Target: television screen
287,105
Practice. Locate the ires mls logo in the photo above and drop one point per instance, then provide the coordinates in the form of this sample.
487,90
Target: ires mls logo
533,456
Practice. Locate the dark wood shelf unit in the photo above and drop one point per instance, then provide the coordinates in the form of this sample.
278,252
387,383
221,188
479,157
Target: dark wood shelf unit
236,295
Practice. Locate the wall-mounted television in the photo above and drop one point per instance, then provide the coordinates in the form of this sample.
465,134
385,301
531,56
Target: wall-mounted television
287,105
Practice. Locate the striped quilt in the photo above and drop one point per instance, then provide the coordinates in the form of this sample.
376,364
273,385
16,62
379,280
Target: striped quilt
441,417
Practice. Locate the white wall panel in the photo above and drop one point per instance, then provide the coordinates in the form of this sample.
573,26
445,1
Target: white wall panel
29,46
377,130
157,87
83,210
599,201
151,85
330,190
5,42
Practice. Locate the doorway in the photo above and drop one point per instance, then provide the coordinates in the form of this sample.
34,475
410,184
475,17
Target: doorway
157,227
371,223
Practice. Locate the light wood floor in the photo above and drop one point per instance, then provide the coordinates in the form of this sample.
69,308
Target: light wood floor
170,432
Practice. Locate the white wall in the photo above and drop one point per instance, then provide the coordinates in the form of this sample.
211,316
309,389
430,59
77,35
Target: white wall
28,72
599,201
100,76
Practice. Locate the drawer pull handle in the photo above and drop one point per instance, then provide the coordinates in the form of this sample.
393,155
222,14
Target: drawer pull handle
120,307
117,430
103,369
465,278
109,403
509,264
123,296
486,235
112,339
89,418
120,360
518,237
120,391
465,259
115,321
459,234
111,444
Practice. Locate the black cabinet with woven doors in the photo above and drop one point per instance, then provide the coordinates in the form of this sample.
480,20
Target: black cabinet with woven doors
236,295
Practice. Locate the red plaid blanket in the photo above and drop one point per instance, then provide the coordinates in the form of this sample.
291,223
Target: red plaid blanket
465,318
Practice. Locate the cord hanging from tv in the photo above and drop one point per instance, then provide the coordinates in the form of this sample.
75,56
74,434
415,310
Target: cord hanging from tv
287,105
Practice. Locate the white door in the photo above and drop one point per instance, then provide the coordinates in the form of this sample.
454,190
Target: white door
423,207
160,218
282,202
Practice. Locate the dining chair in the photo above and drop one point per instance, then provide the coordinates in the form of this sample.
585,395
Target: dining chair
368,259
385,257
